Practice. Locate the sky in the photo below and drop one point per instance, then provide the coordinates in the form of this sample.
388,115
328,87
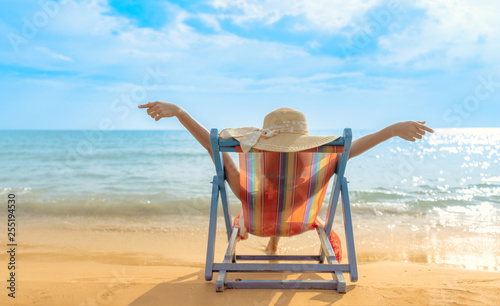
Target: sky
362,64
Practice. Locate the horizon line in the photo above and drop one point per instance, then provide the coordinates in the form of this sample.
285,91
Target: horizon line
138,130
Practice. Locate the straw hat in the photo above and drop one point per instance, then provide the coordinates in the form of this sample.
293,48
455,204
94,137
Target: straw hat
284,130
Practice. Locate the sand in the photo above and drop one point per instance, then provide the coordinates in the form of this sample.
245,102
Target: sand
85,262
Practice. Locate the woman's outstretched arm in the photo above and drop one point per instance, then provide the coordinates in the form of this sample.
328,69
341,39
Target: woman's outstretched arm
158,110
408,130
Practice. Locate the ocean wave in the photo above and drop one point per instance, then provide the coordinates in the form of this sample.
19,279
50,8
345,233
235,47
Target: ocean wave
371,196
115,208
140,201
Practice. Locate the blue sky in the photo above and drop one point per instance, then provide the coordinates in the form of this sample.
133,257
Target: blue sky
360,64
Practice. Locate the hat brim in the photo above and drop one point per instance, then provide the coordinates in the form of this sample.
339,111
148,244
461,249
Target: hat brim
288,142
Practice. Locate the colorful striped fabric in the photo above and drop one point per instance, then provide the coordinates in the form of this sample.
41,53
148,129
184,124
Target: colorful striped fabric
282,193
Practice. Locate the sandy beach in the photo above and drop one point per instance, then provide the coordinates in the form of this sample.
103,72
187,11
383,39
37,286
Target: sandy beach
118,128
84,262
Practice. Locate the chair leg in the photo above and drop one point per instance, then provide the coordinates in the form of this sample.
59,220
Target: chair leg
321,255
212,231
219,283
228,257
225,209
332,207
351,253
341,285
331,259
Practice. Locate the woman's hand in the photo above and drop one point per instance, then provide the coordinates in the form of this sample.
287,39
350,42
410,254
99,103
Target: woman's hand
158,110
410,130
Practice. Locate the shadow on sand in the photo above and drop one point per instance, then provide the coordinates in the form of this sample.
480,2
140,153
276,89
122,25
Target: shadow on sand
192,289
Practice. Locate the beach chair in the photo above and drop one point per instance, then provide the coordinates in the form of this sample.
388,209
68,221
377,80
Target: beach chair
283,217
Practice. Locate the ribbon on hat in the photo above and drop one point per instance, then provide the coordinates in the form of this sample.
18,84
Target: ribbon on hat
249,136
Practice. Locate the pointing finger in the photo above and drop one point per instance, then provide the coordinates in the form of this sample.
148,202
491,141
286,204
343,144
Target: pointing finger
149,104
423,127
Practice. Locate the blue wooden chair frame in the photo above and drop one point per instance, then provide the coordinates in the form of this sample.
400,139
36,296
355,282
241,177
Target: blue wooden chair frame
230,264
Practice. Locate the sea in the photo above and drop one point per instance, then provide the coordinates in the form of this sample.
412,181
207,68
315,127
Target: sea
437,199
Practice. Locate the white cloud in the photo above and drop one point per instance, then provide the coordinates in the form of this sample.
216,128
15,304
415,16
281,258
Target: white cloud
324,15
90,41
209,20
83,38
444,35
54,54
451,32
96,57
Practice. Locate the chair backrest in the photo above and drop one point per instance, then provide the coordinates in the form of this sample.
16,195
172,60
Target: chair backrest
282,193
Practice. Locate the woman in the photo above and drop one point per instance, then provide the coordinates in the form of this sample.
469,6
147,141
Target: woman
408,130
